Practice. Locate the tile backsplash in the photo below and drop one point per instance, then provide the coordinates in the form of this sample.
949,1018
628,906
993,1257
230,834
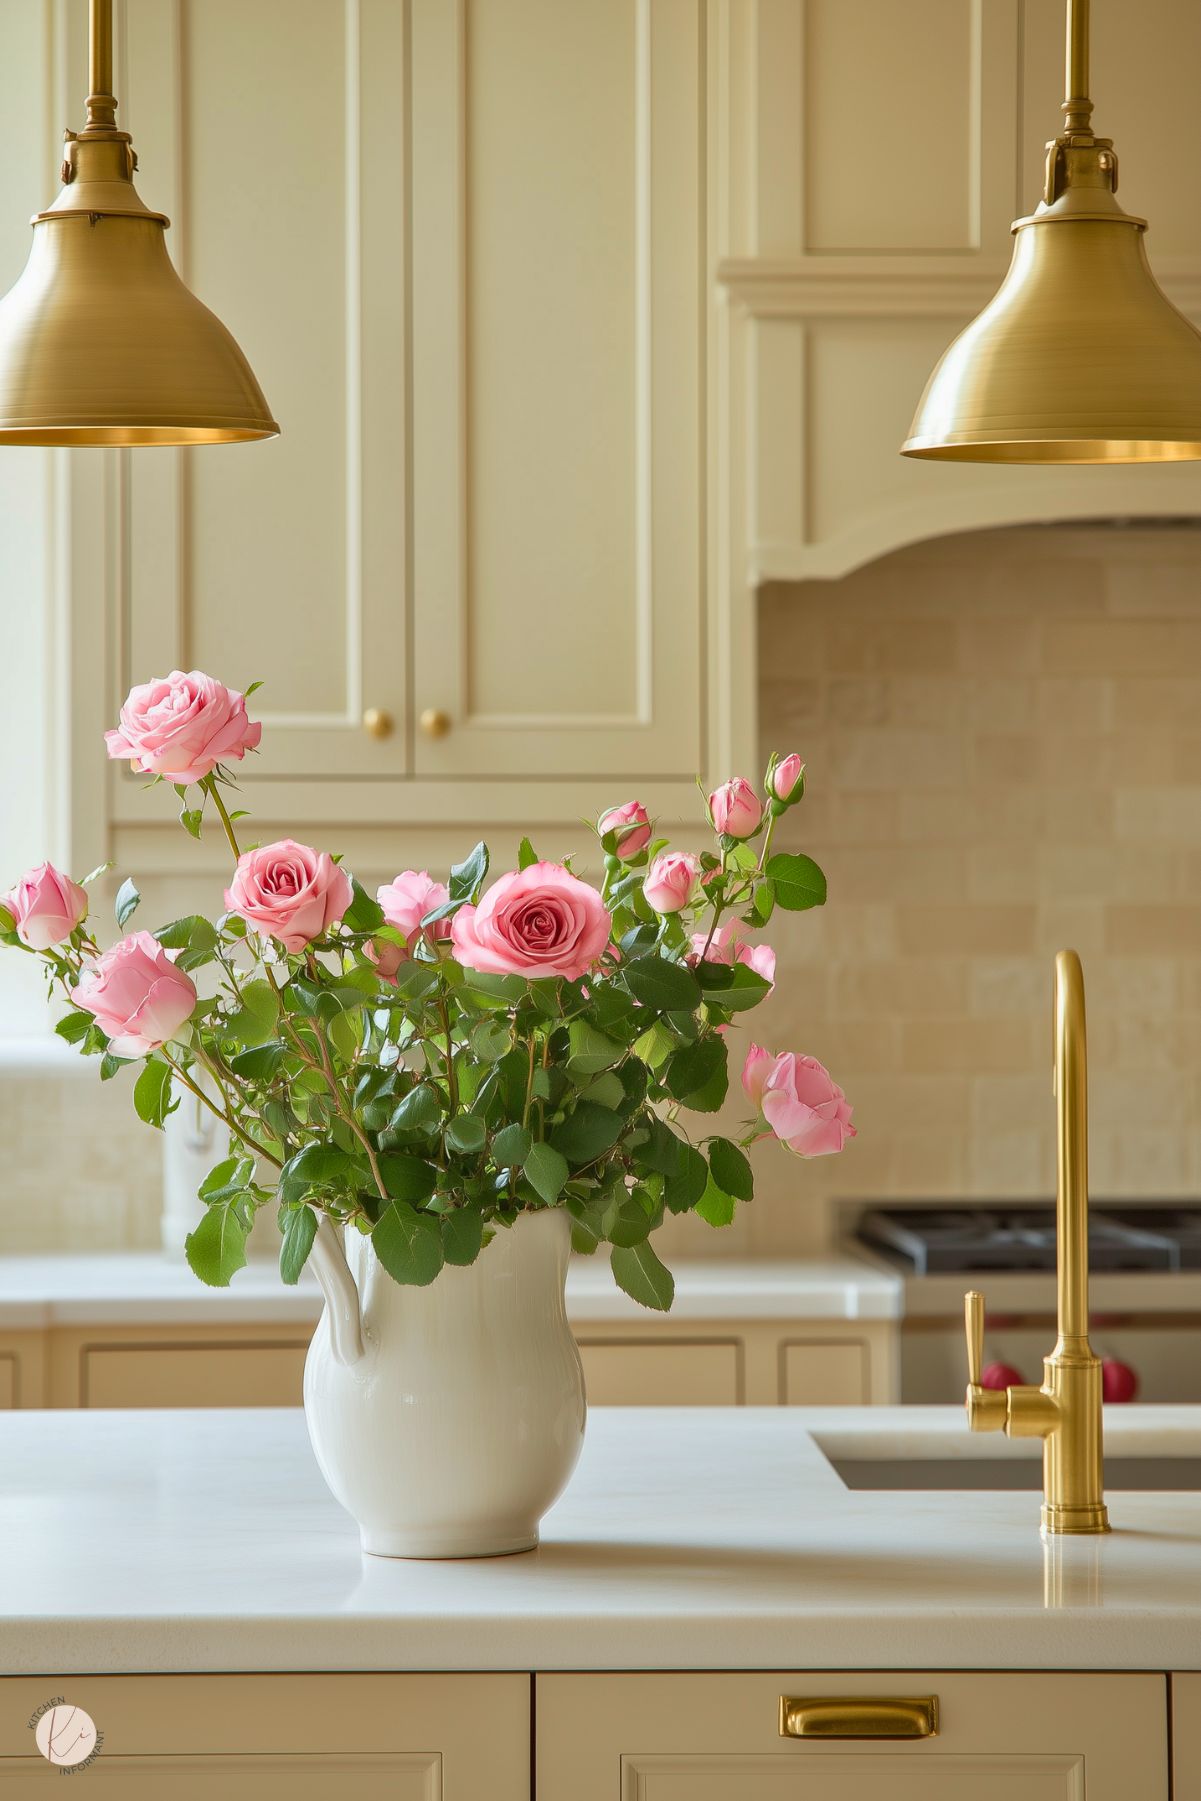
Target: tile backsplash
1003,735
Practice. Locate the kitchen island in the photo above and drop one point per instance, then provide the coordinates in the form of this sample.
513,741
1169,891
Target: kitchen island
690,1540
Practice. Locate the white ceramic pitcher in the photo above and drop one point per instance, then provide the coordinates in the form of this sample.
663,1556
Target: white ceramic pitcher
447,1419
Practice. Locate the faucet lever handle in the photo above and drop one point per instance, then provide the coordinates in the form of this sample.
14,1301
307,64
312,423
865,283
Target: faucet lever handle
973,1321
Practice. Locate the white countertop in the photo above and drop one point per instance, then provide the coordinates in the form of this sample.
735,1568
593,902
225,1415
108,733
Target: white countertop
688,1539
152,1288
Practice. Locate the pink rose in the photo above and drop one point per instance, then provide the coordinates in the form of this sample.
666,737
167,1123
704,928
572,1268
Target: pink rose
46,906
805,1107
788,779
671,881
136,995
405,902
181,726
755,1071
630,825
735,808
540,921
289,892
727,947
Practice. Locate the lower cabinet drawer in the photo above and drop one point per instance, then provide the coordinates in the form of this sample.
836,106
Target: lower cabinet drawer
198,1375
632,1372
825,1373
272,1738
1000,1737
8,1380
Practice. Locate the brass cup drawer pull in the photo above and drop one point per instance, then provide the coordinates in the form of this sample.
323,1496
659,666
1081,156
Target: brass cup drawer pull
859,1716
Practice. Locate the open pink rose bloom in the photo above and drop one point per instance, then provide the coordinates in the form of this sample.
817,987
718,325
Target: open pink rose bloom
138,998
180,726
540,921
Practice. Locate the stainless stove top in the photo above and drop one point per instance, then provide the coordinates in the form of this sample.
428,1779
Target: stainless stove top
946,1240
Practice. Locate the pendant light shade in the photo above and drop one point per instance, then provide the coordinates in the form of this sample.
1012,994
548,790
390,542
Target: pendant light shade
1079,357
100,341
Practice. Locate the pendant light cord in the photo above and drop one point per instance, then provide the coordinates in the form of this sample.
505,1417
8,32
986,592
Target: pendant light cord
1077,107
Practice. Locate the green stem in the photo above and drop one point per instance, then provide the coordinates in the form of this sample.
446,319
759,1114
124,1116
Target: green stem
210,783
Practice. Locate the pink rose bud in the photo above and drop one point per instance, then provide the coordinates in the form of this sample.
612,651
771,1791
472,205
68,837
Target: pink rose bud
631,827
289,892
755,1071
671,881
805,1107
180,726
46,906
136,995
725,946
788,779
540,921
407,900
735,808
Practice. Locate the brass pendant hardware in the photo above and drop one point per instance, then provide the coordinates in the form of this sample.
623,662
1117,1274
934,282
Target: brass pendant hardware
435,723
377,723
859,1716
1079,357
1066,1411
100,341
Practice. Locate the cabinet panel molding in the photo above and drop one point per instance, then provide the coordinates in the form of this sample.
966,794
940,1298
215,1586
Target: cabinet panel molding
818,1372
1051,1736
254,1374
662,1372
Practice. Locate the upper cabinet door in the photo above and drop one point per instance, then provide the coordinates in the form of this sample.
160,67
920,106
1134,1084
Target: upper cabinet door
558,301
272,133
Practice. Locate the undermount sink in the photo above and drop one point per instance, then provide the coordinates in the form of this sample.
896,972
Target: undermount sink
1148,1450
925,1474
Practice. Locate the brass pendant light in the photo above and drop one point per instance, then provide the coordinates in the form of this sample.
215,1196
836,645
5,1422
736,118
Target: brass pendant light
100,341
1079,357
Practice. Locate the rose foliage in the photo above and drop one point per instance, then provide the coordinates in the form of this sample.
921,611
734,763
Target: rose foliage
424,1064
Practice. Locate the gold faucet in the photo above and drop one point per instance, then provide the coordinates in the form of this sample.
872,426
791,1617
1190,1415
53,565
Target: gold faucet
1066,1411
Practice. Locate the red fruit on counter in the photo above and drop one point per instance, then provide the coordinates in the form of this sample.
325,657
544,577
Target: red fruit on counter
1000,1375
1118,1381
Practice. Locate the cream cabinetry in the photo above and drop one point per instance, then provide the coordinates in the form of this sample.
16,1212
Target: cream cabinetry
464,247
283,1738
1186,1735
877,156
710,1737
696,1363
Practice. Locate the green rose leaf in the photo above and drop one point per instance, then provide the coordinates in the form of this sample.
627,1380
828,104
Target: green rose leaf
299,1230
152,1093
407,1178
546,1170
193,933
667,987
734,986
126,903
731,1170
643,1277
526,854
74,1026
216,1250
625,1221
590,1051
716,1207
317,1167
698,1075
466,880
260,1062
363,913
408,1244
254,1022
797,881
587,1132
228,1179
491,1040
420,1112
511,1147
462,1235
466,1134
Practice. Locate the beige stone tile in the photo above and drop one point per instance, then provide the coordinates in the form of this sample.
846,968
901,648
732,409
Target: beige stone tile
1122,647
1003,1044
903,988
965,928
1151,930
1167,815
1001,986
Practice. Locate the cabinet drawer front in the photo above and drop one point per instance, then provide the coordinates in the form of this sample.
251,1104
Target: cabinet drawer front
8,1379
712,1737
635,1372
174,1375
282,1737
819,1373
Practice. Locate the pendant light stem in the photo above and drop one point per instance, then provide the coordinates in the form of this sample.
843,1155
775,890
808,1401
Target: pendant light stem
1077,107
102,107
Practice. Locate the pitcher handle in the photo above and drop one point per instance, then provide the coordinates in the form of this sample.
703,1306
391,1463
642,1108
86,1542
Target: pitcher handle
328,1259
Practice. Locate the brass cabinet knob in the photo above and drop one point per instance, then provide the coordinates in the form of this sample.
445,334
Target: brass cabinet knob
377,723
435,723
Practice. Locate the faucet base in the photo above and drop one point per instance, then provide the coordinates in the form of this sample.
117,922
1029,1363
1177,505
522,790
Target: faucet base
1092,1516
